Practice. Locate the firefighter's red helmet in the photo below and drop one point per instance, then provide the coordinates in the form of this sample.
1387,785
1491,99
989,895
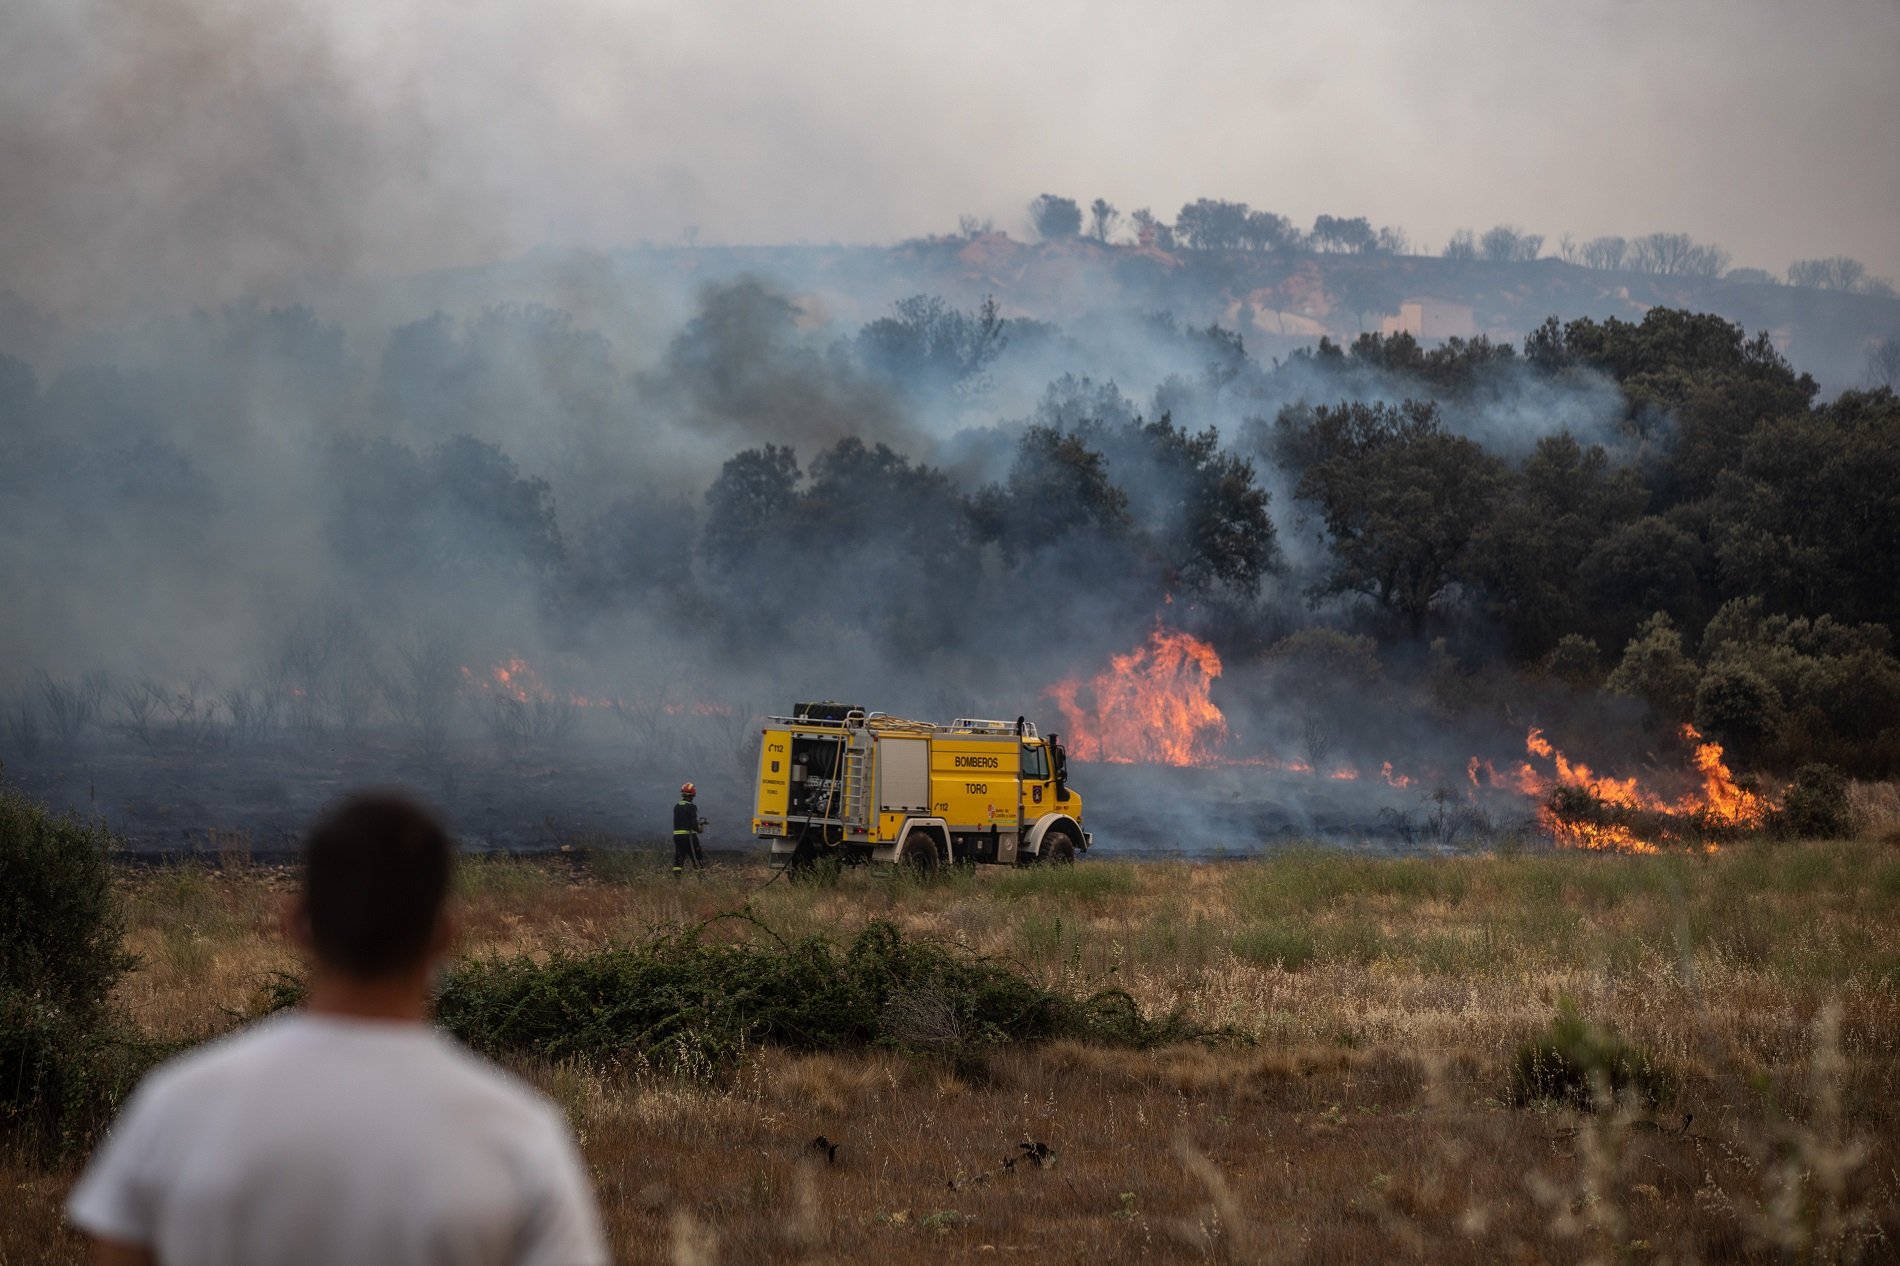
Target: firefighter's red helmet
687,789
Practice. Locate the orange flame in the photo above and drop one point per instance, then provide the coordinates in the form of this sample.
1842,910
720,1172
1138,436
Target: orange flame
1150,706
515,678
1723,802
1720,802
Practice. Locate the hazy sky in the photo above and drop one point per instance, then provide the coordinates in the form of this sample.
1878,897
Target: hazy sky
213,147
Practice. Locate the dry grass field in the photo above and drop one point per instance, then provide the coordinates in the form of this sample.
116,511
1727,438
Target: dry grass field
1357,1107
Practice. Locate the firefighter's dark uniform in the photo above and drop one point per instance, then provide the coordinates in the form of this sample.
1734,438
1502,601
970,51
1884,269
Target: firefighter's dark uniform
686,836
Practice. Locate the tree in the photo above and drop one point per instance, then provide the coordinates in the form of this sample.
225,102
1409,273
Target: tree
1507,245
1402,501
929,346
1335,233
488,512
1265,231
1102,218
1648,565
1058,490
1811,519
1837,272
1655,670
1208,224
637,545
1462,246
1055,217
1152,232
1607,253
1737,707
1199,506
1675,255
752,495
1566,498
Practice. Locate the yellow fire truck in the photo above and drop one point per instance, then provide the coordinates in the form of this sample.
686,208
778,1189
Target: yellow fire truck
837,781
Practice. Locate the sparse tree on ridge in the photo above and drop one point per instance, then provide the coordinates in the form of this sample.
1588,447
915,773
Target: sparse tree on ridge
1507,245
1102,218
1462,246
1150,231
1210,224
1837,272
1055,217
1675,255
1339,233
1266,231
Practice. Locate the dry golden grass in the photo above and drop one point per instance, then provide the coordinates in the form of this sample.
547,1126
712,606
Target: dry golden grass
1874,808
1365,1120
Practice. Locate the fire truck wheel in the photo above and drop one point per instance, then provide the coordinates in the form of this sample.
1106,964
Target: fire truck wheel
919,854
1058,847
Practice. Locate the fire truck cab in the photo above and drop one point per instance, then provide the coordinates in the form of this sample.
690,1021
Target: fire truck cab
837,781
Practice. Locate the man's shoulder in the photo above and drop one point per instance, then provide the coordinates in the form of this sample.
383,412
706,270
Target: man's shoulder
219,1058
291,1045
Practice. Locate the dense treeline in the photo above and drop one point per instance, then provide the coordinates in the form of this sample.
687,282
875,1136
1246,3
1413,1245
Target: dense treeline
1660,511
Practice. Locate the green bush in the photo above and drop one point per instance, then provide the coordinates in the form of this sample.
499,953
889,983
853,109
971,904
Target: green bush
1816,806
1738,707
690,1004
1570,1060
64,1064
63,1073
60,922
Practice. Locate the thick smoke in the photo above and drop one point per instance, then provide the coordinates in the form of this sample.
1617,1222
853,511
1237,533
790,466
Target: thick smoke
500,535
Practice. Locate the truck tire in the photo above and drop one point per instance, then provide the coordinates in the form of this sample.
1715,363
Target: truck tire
919,854
1058,847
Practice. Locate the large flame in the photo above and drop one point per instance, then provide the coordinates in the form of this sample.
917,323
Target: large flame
1720,804
1723,802
1150,706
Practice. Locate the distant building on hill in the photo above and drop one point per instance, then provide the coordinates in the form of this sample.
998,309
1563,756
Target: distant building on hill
1425,318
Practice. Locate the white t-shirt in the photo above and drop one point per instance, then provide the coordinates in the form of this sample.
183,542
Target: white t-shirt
324,1140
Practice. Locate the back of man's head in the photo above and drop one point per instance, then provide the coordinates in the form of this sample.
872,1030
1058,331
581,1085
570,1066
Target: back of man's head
376,875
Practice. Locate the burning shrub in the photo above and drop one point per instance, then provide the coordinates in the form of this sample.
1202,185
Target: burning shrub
1573,1061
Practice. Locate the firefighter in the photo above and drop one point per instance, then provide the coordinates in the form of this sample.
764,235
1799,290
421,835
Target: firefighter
687,824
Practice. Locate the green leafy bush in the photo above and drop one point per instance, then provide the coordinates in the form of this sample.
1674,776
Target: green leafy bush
1570,1060
64,1063
60,923
690,1004
1816,806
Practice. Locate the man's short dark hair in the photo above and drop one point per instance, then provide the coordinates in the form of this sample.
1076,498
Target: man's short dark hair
376,873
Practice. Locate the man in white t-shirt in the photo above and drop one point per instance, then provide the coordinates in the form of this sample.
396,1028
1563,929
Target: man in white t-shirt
349,1131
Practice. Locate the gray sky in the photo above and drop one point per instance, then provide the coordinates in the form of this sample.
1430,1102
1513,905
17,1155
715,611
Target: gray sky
205,148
